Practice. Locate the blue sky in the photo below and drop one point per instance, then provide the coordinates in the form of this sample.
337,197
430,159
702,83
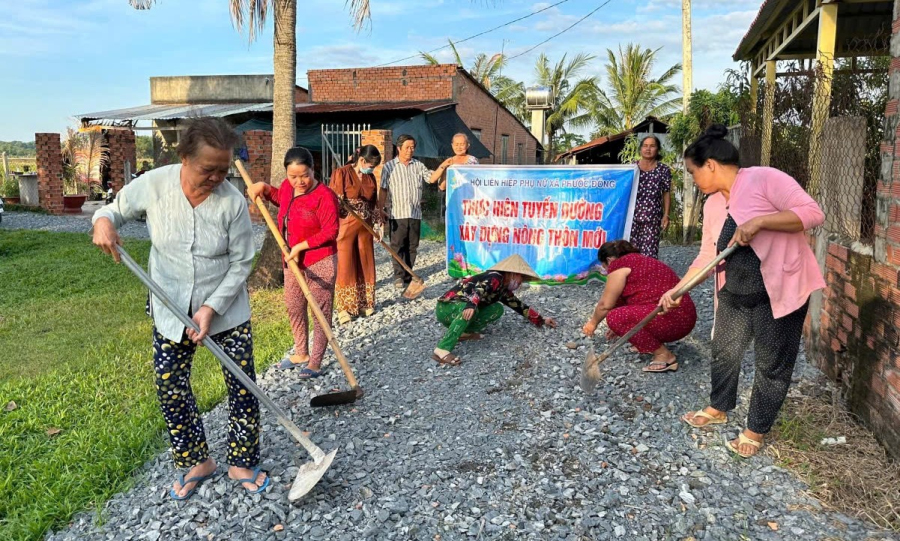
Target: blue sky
59,58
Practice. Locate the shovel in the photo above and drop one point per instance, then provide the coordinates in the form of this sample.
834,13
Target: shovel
417,286
331,399
590,371
309,473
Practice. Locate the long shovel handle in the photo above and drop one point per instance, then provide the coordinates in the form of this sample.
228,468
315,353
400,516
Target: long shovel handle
387,246
694,282
323,321
314,451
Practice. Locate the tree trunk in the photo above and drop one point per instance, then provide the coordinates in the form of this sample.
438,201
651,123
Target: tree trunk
269,271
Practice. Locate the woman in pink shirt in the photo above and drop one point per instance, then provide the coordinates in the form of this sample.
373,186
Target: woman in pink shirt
308,219
762,289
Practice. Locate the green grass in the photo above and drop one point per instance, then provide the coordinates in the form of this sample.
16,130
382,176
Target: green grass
75,346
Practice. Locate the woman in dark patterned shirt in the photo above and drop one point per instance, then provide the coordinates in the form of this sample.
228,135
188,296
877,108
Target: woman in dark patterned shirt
475,301
651,208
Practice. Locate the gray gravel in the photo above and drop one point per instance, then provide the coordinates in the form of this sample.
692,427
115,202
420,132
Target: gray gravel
505,446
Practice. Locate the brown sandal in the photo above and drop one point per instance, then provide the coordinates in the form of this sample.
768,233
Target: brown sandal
448,359
471,336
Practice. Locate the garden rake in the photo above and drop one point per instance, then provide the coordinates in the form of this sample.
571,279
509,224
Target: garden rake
330,399
309,473
417,285
590,371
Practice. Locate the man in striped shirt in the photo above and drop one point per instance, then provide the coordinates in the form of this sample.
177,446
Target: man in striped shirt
402,178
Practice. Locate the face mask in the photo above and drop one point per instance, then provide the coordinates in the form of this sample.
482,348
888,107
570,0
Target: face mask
366,170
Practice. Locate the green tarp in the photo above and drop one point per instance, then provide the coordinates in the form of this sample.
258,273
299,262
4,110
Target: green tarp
433,132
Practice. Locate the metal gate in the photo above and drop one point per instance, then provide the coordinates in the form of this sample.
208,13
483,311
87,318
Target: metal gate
339,142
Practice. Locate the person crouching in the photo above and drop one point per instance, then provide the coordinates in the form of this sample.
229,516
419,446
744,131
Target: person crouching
474,302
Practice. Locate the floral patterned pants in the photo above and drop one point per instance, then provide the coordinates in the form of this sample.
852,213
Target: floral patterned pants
320,278
172,364
450,315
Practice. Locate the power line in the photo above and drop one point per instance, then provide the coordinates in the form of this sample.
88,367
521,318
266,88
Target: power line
576,23
479,34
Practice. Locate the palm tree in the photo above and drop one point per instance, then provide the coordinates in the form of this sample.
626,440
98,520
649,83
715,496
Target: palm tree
253,15
633,94
485,69
572,97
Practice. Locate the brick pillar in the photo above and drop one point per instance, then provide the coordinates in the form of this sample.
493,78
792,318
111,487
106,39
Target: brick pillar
259,149
50,172
383,141
121,149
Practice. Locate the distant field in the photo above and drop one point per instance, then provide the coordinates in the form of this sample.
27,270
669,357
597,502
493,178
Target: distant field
18,164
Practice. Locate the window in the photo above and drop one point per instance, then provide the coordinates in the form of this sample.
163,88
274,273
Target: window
520,153
476,133
504,149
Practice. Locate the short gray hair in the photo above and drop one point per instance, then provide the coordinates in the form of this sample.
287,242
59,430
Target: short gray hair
211,131
464,136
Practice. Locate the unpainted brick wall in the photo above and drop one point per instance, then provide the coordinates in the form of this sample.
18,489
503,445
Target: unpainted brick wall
50,172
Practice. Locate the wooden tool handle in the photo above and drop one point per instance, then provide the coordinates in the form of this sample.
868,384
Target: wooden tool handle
387,247
320,316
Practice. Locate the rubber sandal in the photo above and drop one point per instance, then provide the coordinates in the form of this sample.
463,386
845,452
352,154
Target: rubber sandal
710,419
369,312
288,364
744,440
182,481
471,336
252,481
344,318
309,373
666,367
447,360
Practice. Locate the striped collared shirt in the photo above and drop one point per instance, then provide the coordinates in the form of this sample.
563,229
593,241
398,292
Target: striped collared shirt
404,183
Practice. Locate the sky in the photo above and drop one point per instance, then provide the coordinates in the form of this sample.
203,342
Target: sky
61,58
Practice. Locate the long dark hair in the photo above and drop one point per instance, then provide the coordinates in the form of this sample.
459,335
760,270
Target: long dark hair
712,145
367,152
615,248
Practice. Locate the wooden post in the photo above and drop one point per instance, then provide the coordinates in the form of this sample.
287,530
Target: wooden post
5,166
822,93
765,154
754,88
687,74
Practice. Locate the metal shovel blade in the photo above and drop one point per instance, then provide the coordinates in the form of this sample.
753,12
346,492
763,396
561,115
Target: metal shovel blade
590,371
336,399
414,289
309,475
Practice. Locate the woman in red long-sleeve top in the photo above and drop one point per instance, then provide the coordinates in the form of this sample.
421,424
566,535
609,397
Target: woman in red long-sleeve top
308,220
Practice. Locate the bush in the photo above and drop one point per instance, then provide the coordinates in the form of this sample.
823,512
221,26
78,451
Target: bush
10,185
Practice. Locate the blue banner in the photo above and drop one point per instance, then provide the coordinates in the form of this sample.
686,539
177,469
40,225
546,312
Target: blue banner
555,217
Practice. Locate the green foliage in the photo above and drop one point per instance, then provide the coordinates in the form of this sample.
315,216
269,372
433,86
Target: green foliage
77,358
707,108
143,147
10,185
565,141
633,93
572,94
18,149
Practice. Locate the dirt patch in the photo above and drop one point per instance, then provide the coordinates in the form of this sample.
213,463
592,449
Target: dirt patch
856,478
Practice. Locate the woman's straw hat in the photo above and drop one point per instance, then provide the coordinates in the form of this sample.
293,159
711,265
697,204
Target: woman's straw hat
515,263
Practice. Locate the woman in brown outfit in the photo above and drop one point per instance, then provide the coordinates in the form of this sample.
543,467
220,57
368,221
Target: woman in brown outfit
355,186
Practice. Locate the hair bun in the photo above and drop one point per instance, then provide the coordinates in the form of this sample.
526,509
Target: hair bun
716,131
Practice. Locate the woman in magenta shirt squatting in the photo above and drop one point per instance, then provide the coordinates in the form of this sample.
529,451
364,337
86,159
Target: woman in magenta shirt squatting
762,289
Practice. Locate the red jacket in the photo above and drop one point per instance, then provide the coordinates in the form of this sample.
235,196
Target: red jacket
311,217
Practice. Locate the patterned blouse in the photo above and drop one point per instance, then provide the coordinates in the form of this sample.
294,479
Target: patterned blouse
487,288
651,186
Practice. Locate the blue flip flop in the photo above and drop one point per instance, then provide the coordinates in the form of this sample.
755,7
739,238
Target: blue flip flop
309,373
252,481
182,481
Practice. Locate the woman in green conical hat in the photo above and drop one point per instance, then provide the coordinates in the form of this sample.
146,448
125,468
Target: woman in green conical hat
475,301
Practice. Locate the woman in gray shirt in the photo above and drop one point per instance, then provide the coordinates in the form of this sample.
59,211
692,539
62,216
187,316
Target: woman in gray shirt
201,255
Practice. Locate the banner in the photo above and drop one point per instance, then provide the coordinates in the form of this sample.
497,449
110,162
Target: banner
555,217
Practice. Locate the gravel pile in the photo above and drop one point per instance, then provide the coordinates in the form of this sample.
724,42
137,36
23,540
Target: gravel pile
505,446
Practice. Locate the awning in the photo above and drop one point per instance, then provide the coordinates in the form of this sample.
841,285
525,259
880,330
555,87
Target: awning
170,112
433,131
